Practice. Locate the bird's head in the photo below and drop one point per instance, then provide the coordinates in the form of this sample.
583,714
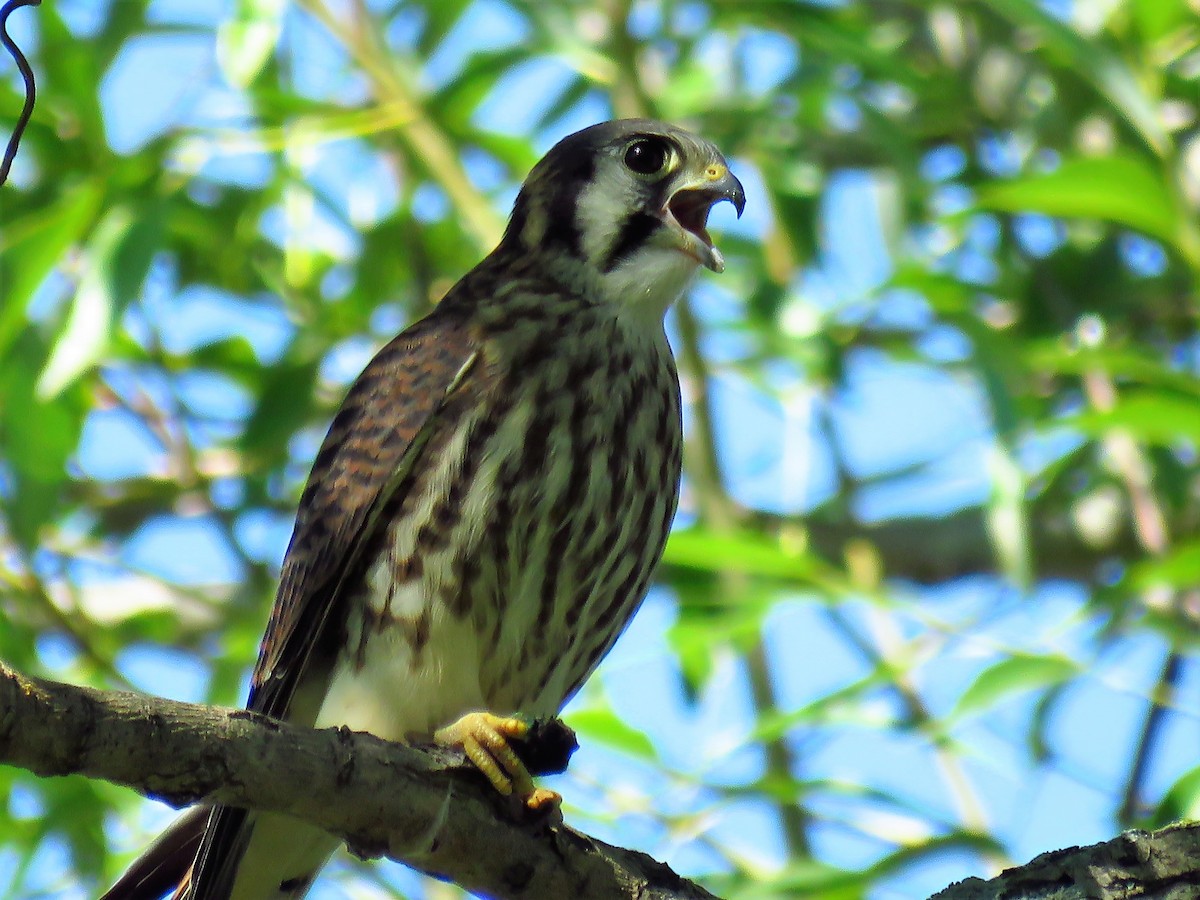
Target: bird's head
620,209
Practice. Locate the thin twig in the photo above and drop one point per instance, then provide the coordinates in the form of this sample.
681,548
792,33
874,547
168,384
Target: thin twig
426,142
1161,700
26,73
1153,533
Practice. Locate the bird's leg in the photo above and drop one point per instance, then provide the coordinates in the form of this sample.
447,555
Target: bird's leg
485,739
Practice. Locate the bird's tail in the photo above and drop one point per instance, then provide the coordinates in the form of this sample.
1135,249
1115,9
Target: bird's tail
164,865
224,853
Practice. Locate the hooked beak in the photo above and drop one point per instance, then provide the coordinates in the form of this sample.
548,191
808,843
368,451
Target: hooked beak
688,210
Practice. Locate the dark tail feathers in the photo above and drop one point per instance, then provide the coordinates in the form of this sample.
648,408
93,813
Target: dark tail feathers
165,864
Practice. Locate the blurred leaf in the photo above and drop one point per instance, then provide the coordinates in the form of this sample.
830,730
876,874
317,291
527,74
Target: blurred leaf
76,805
458,100
1134,363
1008,516
602,725
691,89
1153,417
843,705
439,20
246,40
1010,676
1095,62
1181,803
1179,568
36,440
285,403
691,642
118,257
234,354
1120,189
33,245
1156,17
746,552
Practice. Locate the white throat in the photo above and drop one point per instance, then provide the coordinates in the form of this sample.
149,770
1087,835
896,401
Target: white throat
648,282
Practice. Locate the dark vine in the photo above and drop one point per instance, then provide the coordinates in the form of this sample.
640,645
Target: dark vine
26,73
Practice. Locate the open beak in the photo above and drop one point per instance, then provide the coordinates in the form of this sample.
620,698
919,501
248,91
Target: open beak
689,206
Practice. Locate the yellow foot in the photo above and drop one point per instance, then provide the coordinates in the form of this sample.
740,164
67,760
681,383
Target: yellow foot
485,739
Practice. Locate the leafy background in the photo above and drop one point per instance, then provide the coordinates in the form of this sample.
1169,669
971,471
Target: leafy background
930,604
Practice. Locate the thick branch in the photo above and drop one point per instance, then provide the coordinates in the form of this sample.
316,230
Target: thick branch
1160,865
422,807
934,550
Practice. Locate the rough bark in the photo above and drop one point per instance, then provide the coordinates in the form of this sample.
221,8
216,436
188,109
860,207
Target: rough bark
424,807
1160,865
428,808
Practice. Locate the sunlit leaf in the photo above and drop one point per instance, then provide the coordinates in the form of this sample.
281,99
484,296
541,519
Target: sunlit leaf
1181,801
87,329
1133,363
1179,568
603,726
695,548
1017,674
34,245
1157,17
1093,61
1156,417
1120,189
1008,517
246,40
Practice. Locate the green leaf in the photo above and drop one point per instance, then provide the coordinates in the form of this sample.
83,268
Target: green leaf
1153,417
1179,568
88,326
843,706
246,40
458,100
1010,676
31,246
602,725
285,403
1132,363
746,552
1180,803
1120,189
439,20
810,878
1007,515
1157,17
36,440
1091,60
691,640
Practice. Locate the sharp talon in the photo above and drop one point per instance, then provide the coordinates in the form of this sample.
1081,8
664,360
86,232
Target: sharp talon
485,740
544,806
543,800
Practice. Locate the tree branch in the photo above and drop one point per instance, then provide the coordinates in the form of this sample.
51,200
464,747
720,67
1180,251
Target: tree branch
1156,865
423,807
929,550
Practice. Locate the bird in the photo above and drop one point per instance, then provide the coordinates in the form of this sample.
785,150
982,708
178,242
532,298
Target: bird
491,500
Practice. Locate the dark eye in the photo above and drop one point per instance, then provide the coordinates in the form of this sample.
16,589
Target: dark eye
647,155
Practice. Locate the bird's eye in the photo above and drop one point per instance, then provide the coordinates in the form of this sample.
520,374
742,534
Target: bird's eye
647,156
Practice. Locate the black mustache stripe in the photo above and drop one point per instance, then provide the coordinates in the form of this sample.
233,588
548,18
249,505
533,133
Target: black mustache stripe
634,231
